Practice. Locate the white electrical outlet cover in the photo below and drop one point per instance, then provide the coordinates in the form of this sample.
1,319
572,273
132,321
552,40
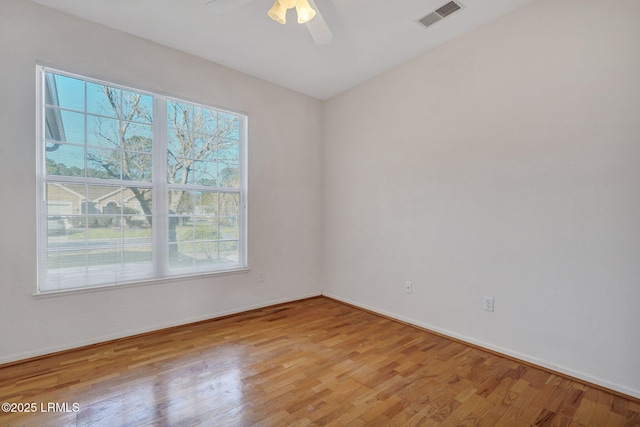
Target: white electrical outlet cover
488,303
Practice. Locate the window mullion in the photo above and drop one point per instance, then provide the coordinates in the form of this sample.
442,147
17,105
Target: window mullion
243,192
160,209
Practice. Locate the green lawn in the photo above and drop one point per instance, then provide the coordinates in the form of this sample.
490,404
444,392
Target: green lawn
183,232
199,237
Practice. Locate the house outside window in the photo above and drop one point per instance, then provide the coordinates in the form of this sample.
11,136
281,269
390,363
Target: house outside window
135,186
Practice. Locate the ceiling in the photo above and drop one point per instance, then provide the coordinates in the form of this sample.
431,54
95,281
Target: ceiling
369,36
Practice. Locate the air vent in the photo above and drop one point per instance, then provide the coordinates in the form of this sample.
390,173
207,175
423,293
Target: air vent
439,13
448,9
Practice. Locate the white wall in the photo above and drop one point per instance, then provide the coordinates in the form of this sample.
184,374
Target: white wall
284,185
505,163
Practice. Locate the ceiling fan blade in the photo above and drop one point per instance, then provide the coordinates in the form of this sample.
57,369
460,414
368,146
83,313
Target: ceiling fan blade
221,6
318,27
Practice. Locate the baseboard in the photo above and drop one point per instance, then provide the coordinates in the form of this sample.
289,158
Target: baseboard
45,352
581,377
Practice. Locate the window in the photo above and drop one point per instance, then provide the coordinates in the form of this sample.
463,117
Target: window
135,186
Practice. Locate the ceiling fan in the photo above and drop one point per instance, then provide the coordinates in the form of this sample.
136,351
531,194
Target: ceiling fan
307,10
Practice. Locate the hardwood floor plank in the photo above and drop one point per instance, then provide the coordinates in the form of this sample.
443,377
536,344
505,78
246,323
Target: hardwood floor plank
311,362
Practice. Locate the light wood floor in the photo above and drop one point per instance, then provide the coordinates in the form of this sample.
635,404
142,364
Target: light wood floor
311,362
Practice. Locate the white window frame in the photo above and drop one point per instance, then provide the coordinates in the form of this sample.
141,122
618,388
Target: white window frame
159,187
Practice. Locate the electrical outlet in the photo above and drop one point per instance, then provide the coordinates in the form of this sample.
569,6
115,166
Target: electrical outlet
260,276
488,303
408,287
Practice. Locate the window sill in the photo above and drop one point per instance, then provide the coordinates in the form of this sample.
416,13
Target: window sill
100,288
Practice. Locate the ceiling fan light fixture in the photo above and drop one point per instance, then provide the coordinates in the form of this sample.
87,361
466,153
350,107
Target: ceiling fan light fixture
305,12
278,12
288,4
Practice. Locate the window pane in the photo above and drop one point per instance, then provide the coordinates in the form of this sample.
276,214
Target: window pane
184,229
196,119
103,231
137,255
180,202
137,166
179,115
204,173
198,137
229,211
57,260
65,126
103,199
206,253
229,126
204,146
173,145
191,171
206,203
56,226
137,230
63,91
176,171
209,173
103,100
182,144
105,264
137,201
206,229
73,237
203,203
181,255
137,138
136,107
103,132
64,160
62,235
229,227
103,163
209,121
229,151
229,252
229,203
228,175
65,199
